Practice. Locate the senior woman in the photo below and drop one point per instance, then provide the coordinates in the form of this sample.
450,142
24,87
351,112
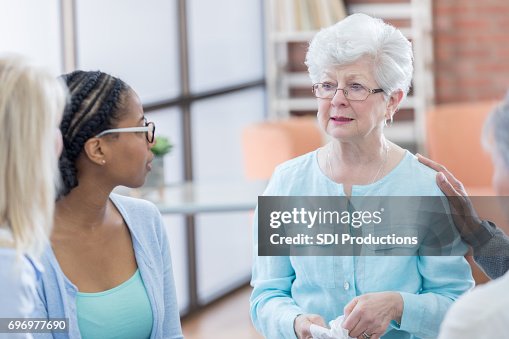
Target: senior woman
483,313
361,69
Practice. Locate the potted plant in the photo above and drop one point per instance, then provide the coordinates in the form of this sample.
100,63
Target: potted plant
161,147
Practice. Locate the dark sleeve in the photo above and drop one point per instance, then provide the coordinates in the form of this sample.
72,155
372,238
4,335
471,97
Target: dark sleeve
493,255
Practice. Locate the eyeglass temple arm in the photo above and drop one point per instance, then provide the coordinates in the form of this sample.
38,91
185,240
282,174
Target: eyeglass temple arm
126,129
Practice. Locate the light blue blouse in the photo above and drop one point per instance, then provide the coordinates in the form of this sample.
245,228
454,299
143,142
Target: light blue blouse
122,312
287,286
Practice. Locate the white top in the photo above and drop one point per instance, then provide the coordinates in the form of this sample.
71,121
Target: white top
17,285
481,313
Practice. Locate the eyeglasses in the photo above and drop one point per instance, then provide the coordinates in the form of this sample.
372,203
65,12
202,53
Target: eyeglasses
353,92
149,129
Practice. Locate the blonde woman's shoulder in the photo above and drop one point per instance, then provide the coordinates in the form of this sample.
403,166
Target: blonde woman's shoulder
6,238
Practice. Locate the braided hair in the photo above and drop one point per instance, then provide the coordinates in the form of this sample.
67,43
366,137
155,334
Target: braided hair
94,105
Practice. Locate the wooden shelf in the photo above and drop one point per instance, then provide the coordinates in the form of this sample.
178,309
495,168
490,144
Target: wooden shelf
300,79
295,36
384,10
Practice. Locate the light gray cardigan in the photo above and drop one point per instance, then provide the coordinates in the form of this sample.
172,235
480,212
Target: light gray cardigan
57,295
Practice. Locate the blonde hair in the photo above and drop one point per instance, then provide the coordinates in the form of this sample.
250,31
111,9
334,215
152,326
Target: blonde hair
31,106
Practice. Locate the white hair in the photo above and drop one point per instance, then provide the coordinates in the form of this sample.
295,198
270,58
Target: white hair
31,106
357,36
495,136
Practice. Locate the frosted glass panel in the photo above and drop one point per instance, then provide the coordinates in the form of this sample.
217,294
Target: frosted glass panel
135,40
217,132
168,123
225,42
224,253
175,229
32,28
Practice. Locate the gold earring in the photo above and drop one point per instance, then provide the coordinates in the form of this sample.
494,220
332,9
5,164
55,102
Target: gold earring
103,161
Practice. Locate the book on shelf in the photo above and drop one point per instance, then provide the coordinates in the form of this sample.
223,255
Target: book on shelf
305,15
338,10
313,13
325,14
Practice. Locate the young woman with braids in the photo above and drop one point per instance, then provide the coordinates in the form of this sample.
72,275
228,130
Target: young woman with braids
109,268
31,106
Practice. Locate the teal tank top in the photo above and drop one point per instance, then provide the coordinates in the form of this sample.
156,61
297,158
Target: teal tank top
121,312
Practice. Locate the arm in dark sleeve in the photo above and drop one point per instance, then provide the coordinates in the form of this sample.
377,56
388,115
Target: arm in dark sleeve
491,250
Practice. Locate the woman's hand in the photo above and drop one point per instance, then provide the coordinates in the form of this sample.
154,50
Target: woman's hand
465,217
302,323
369,315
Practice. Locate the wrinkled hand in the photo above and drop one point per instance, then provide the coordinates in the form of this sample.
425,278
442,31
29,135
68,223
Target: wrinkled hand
465,217
371,314
302,323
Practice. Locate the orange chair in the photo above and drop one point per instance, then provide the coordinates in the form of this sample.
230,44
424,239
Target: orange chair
267,144
454,140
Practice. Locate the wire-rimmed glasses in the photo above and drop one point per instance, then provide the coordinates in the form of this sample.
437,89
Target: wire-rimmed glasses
353,92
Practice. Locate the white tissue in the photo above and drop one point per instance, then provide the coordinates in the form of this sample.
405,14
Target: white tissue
335,331
319,332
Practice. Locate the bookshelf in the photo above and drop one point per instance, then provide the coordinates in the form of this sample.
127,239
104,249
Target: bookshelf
291,24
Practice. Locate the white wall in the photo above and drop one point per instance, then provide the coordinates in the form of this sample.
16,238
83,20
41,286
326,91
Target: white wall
32,28
138,42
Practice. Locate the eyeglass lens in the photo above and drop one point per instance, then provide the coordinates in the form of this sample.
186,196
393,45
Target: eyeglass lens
354,92
151,131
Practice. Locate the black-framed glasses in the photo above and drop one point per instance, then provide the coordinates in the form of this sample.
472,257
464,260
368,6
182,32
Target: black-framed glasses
149,129
353,92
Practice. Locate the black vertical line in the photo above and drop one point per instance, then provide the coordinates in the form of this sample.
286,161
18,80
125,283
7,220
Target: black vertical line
184,80
188,152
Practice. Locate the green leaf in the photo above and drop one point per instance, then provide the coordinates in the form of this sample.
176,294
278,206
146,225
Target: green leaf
162,146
